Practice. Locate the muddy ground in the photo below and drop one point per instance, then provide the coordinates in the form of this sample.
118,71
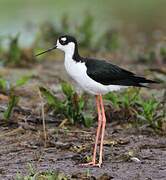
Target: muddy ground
66,149
129,153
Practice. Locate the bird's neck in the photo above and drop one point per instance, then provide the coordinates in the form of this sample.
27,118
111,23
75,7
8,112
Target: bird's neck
76,55
73,53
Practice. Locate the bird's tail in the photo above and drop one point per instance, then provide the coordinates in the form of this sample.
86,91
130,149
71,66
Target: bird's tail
141,81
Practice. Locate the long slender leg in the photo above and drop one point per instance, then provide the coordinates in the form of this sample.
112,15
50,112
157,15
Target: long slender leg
98,128
98,104
102,131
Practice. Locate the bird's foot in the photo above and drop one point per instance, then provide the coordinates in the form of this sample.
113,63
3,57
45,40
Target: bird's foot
92,163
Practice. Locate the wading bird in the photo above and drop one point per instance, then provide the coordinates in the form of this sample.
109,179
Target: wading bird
97,77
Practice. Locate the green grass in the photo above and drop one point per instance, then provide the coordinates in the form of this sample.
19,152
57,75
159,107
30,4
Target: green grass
125,99
40,175
10,89
72,106
145,111
151,112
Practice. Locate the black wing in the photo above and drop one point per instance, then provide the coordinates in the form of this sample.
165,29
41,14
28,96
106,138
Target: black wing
109,74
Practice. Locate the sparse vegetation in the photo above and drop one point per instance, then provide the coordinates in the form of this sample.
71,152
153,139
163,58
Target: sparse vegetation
43,175
71,107
10,89
150,111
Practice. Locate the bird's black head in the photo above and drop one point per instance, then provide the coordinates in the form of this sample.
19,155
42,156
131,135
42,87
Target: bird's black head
66,43
66,39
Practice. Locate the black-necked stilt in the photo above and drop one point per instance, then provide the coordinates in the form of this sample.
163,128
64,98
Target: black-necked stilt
97,77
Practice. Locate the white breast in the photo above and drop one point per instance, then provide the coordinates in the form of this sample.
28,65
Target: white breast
78,72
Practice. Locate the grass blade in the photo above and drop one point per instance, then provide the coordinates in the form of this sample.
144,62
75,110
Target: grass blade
12,102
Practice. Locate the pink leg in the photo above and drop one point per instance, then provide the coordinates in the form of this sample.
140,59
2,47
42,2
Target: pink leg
98,104
98,128
102,131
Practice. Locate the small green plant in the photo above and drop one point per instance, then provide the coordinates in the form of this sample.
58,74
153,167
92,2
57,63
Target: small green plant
148,109
13,101
130,97
5,86
71,107
52,101
45,175
149,113
113,98
74,103
125,99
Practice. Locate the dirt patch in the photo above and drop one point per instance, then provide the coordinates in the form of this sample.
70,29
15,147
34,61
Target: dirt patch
67,148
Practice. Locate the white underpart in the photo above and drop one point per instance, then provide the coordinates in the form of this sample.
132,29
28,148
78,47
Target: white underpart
78,72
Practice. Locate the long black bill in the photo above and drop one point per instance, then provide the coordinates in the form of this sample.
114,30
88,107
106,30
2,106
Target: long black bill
48,50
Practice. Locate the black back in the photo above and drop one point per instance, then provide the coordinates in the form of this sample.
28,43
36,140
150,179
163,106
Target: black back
110,74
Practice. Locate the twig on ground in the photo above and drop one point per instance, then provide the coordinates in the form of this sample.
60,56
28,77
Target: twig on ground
43,119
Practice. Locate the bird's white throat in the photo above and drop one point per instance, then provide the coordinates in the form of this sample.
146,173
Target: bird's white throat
68,49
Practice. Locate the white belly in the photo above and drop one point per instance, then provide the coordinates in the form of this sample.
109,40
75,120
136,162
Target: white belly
78,71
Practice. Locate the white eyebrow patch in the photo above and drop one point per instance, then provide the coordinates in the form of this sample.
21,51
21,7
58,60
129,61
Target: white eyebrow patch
63,39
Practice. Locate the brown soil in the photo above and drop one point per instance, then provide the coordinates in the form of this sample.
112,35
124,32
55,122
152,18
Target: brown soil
129,153
67,148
